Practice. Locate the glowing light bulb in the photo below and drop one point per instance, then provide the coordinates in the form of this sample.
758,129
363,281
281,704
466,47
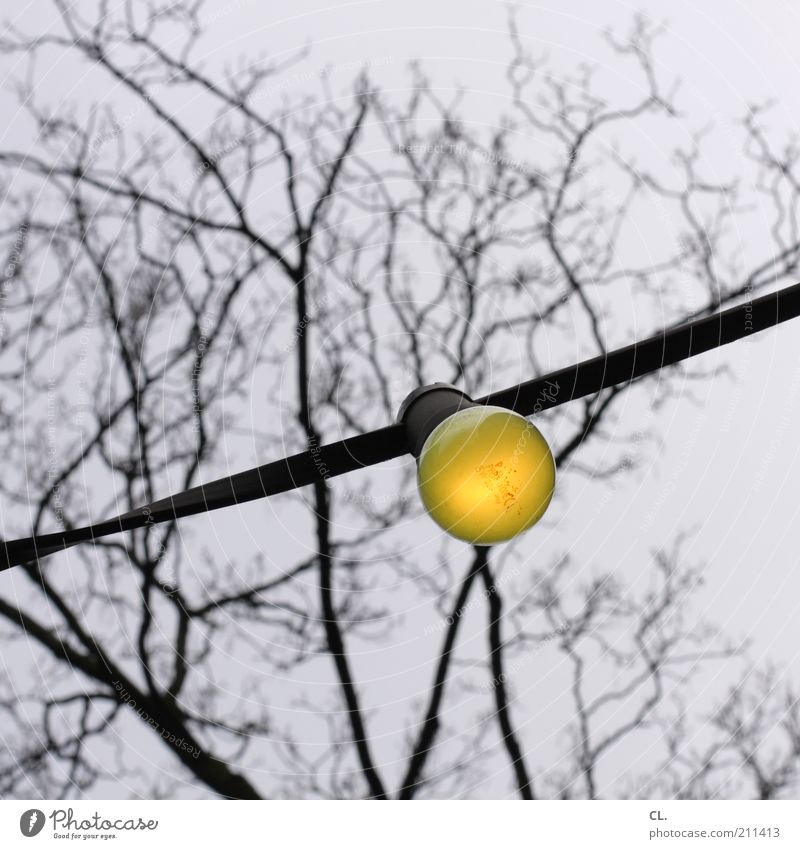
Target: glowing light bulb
486,474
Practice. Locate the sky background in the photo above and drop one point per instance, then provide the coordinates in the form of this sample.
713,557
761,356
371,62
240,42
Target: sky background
727,469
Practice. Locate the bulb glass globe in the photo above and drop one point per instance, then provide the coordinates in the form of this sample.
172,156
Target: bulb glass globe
486,474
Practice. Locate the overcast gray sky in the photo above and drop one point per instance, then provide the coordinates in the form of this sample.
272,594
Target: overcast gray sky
729,466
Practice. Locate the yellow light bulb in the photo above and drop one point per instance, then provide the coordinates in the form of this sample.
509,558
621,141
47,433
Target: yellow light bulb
486,474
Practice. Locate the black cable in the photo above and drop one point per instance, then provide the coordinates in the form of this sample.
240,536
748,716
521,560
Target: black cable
325,461
302,469
663,349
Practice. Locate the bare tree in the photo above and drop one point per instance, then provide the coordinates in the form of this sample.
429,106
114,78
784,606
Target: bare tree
329,252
